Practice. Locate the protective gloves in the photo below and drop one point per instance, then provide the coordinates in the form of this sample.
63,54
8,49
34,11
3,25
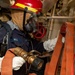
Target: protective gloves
1,58
50,44
17,62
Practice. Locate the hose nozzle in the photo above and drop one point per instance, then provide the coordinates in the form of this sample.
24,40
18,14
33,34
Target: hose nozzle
36,62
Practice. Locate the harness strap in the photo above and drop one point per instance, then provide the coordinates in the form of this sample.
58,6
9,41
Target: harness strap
9,31
7,63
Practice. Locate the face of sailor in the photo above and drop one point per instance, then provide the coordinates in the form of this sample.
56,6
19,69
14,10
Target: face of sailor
17,18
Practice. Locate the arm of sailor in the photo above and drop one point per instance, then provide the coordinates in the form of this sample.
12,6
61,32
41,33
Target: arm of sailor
17,62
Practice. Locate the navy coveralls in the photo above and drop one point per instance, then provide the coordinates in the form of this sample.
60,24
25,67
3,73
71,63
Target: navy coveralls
23,40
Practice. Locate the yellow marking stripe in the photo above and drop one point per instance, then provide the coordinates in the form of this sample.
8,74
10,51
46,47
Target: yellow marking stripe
23,6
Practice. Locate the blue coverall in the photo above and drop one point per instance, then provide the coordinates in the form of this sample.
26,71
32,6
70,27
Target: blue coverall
20,39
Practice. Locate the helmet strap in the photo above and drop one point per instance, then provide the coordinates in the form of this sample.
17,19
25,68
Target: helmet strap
24,17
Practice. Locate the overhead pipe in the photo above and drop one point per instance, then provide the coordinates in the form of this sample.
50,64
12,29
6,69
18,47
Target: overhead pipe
65,4
47,5
59,17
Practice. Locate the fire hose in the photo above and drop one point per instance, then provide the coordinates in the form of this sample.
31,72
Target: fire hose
32,57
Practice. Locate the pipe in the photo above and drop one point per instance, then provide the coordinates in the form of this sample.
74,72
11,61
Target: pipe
51,25
47,5
59,17
65,4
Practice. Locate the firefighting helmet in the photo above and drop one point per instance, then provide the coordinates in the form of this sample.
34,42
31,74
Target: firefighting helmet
32,5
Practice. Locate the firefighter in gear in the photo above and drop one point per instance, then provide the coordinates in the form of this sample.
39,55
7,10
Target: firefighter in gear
23,23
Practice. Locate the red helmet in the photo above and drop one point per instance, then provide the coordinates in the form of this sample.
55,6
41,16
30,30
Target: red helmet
32,5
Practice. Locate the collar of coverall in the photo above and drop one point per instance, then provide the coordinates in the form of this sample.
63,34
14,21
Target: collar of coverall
12,25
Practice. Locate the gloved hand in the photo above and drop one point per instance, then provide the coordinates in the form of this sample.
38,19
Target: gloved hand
50,44
1,58
17,62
